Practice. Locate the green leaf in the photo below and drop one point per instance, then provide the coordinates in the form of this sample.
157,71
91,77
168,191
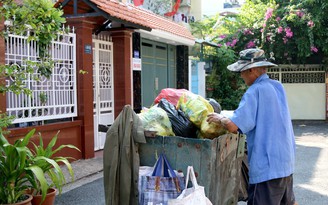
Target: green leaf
27,137
64,146
39,174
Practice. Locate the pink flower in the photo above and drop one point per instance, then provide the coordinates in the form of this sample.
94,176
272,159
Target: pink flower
262,30
228,43
314,49
278,18
233,43
264,25
223,36
280,29
219,45
310,24
250,44
289,32
268,13
299,14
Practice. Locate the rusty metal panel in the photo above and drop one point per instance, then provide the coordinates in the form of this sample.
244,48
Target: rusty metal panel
216,162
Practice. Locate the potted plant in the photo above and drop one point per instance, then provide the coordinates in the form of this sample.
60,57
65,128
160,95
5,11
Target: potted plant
45,159
25,172
16,171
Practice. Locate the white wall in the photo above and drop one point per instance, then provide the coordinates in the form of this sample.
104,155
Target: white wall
307,101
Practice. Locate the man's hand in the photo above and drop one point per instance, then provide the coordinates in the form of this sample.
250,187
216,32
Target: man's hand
214,117
224,121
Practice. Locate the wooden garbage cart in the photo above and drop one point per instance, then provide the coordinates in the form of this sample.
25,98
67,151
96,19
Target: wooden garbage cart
217,162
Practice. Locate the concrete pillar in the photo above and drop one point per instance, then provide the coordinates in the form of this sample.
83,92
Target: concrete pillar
84,56
122,48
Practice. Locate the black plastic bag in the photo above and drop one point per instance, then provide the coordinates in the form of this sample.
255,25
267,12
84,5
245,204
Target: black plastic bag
181,125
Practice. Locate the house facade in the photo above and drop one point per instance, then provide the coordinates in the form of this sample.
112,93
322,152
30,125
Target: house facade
122,55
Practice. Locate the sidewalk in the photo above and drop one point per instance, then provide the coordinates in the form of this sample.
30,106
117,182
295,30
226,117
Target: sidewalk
85,171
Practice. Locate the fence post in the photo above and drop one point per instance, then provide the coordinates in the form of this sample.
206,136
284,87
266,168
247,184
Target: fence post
84,57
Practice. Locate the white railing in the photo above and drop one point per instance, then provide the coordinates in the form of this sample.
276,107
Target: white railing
52,98
298,74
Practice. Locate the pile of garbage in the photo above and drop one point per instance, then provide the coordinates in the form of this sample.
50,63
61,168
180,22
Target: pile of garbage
179,112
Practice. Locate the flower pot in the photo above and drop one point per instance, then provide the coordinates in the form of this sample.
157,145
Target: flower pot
25,202
49,200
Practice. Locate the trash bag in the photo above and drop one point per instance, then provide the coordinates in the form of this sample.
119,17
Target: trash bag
170,94
195,107
215,104
156,119
181,125
211,130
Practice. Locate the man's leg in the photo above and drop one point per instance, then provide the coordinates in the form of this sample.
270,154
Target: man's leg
289,197
274,192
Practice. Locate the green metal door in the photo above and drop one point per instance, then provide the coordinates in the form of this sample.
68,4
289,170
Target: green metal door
154,74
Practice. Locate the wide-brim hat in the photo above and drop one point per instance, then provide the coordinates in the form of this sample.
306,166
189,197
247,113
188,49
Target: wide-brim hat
250,58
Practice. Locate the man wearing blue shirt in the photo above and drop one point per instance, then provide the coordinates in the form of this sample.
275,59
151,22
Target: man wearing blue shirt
263,115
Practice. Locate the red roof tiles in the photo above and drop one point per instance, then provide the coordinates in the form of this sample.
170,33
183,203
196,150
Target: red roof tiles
164,24
121,11
142,17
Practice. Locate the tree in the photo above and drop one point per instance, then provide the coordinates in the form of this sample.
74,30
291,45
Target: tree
290,32
221,84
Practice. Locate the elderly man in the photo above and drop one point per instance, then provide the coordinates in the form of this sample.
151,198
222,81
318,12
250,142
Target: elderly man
263,115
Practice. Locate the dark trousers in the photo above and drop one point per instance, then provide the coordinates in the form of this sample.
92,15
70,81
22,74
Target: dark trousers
274,192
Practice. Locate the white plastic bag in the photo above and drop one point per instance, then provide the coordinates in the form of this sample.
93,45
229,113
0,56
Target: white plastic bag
194,195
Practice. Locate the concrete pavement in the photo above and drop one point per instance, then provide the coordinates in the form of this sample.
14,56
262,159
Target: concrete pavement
310,177
311,171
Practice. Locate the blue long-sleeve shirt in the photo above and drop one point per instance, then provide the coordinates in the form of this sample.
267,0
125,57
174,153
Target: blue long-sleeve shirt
264,117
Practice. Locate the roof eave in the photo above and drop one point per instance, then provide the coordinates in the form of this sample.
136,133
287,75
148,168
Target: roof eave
166,37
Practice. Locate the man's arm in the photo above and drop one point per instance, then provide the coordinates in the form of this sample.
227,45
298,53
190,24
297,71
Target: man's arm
224,121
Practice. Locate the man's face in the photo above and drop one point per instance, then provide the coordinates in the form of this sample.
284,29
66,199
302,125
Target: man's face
246,75
250,75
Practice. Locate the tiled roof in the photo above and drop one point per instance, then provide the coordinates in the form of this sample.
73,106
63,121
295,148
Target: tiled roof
142,17
164,24
121,11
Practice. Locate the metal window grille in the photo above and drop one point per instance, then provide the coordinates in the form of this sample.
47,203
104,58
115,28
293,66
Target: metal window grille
52,98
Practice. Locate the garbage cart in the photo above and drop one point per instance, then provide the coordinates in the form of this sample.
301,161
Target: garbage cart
217,162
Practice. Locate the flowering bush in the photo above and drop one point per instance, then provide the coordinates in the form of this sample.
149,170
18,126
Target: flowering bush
288,32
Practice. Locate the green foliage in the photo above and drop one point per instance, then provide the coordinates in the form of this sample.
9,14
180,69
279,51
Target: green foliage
16,169
44,157
289,31
224,86
19,75
22,168
221,84
40,17
204,29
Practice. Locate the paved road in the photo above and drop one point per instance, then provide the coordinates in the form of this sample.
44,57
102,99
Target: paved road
310,178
